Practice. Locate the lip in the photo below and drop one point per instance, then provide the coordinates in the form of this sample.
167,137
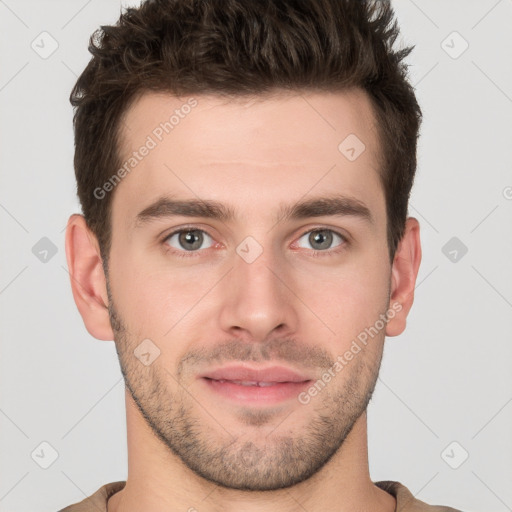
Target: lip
246,373
281,384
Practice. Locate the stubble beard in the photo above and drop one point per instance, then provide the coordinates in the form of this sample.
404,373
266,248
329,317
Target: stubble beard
276,460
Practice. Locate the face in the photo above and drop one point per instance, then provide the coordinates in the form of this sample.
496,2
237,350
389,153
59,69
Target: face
249,259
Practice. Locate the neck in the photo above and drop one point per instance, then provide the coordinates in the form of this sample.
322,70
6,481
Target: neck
159,481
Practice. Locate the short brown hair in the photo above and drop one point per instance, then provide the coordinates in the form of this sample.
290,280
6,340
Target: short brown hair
244,47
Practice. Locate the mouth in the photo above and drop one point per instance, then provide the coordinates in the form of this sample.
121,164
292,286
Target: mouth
265,386
248,383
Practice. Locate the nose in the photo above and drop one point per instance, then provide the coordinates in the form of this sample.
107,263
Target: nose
258,301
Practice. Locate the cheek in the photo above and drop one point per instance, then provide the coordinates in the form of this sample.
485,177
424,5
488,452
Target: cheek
157,301
160,301
348,300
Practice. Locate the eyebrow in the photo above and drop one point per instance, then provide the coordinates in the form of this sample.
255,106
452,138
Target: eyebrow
336,205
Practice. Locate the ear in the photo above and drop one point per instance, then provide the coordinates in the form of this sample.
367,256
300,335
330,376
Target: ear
403,277
88,281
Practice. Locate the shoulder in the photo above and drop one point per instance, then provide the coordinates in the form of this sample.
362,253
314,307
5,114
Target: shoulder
97,502
405,500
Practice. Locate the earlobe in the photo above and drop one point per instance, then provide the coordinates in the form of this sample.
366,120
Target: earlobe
88,282
403,277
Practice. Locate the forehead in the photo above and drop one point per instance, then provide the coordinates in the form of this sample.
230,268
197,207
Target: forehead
252,151
319,117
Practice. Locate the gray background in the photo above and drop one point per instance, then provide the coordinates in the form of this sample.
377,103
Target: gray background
447,379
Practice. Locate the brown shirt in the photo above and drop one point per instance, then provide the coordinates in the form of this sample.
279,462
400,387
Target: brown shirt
405,501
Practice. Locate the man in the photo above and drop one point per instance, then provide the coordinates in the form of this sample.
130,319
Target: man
244,170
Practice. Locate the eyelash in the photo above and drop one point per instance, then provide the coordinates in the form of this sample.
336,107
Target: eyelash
314,254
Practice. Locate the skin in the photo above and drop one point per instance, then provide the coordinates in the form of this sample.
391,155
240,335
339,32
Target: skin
187,446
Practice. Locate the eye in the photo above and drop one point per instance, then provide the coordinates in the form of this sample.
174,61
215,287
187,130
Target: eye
321,239
188,239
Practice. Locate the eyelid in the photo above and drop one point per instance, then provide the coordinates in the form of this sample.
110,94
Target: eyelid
183,252
345,239
186,228
337,231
